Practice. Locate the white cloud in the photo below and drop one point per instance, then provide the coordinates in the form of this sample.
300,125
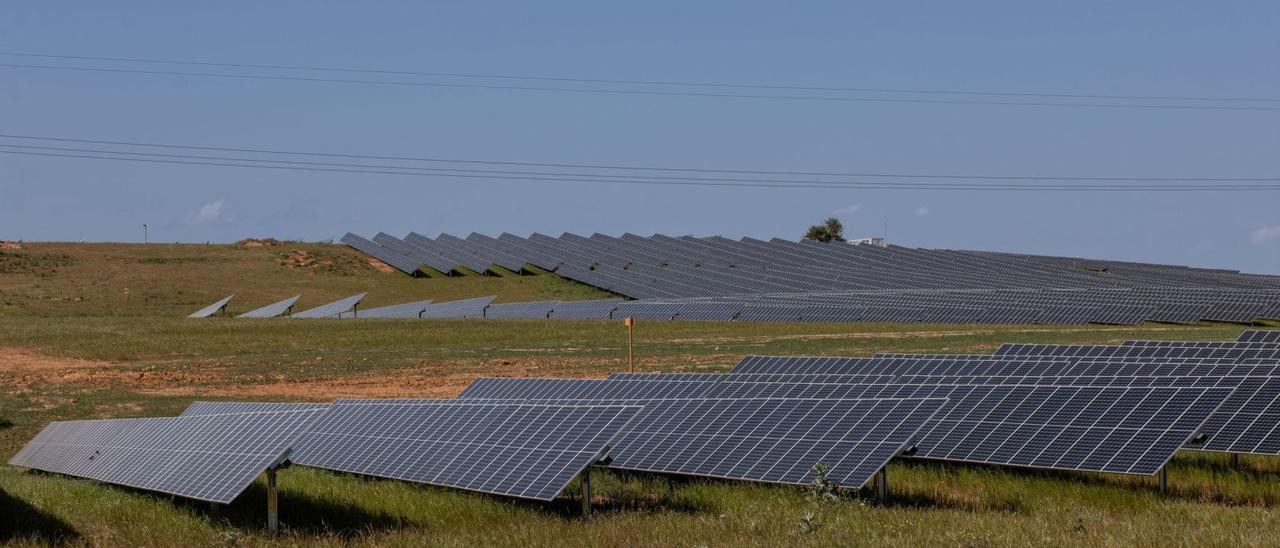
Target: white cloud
211,212
1265,234
922,211
850,209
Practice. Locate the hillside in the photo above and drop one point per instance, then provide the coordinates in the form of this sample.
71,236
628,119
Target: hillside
177,279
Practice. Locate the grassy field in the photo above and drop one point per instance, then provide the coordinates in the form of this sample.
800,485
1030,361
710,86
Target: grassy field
117,353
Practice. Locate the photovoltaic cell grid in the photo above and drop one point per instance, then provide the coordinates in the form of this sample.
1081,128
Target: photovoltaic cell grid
527,310
721,312
1131,430
333,309
213,308
1246,422
521,450
272,310
405,310
690,428
771,440
205,457
466,308
585,310
229,407
646,311
1260,335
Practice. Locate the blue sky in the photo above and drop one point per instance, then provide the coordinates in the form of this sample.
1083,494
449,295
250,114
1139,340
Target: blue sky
1139,48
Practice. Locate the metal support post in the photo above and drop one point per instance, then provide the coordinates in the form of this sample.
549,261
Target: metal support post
882,485
1162,479
1235,460
585,478
273,508
630,323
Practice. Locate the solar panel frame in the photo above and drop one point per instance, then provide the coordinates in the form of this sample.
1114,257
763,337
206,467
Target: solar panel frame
204,457
523,450
331,310
400,311
213,308
272,310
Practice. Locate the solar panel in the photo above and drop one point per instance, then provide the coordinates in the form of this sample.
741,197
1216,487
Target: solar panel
205,457
465,308
1130,430
405,310
272,310
585,310
721,312
526,310
333,309
691,428
770,313
515,449
772,440
213,308
646,310
1260,335
229,407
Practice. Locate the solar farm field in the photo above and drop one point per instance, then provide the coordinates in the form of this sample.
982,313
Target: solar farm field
97,331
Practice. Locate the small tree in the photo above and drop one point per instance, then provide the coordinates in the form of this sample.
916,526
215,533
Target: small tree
830,230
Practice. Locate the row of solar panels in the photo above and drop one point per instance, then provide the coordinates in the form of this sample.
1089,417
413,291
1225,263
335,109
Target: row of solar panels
746,310
751,265
864,283
771,419
348,307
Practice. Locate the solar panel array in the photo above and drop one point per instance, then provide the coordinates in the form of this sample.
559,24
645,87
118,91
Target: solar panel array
1115,408
204,457
1127,429
781,280
514,449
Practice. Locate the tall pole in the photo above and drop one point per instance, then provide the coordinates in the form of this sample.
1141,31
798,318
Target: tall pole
144,234
1163,480
630,323
882,485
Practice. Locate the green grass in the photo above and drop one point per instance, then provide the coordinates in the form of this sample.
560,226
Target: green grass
120,356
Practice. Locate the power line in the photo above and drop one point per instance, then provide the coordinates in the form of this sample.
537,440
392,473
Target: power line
561,165
673,83
827,98
573,178
781,183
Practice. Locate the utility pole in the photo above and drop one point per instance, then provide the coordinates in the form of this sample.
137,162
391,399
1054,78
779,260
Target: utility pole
144,234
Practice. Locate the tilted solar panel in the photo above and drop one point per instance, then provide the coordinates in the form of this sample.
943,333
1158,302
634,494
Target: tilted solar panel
515,449
272,310
1260,335
333,309
204,457
404,310
229,407
465,308
585,310
772,440
526,310
213,308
